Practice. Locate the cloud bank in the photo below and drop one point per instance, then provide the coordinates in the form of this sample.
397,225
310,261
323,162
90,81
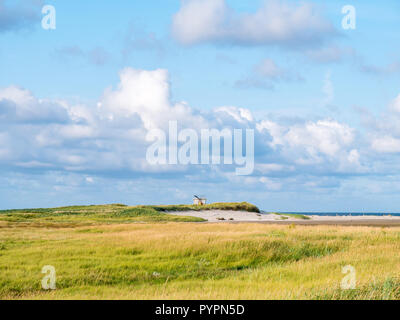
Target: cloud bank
78,146
110,138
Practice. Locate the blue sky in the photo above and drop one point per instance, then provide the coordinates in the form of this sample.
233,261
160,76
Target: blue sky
324,101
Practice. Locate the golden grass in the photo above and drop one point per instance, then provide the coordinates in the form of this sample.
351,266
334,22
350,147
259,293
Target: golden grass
199,261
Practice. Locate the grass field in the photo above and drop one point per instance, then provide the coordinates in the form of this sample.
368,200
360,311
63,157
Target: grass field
115,252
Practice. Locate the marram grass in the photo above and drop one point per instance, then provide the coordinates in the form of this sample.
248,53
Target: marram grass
285,216
171,260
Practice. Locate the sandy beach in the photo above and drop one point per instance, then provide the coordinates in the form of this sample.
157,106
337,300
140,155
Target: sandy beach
222,216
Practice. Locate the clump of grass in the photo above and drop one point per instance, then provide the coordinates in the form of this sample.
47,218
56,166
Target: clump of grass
388,289
292,215
283,218
138,212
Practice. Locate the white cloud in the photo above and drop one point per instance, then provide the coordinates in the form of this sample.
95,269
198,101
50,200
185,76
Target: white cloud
274,129
275,23
240,115
384,132
76,131
386,144
265,168
325,136
17,104
271,184
199,20
354,157
313,142
17,95
146,94
395,105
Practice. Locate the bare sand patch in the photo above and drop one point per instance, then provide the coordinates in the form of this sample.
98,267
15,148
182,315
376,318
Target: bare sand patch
244,216
228,215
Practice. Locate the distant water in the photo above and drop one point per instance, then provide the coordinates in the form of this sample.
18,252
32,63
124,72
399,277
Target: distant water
344,213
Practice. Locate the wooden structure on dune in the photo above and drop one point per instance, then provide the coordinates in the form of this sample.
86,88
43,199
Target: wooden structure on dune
199,201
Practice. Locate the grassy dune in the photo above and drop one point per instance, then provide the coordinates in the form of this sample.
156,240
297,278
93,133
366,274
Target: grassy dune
193,261
115,213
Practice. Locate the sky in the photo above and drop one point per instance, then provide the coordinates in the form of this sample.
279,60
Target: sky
77,102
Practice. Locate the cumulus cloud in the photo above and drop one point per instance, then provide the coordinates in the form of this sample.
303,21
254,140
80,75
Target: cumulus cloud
146,94
395,105
386,144
324,136
276,23
321,142
109,139
271,184
384,132
239,115
19,105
